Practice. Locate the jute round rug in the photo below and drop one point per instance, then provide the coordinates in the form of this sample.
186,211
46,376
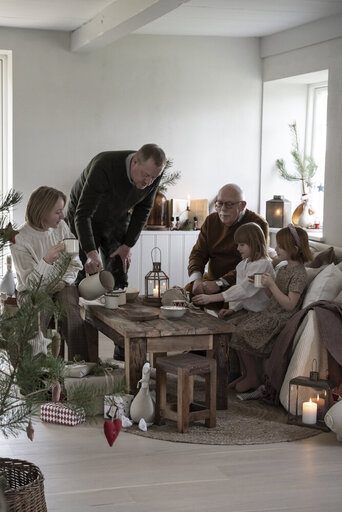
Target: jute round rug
244,422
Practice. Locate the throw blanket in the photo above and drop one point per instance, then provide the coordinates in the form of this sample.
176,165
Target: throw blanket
329,320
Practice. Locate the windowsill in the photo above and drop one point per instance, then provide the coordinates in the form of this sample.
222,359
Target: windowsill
313,234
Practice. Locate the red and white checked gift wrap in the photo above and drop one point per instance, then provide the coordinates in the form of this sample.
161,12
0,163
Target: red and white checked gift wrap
61,414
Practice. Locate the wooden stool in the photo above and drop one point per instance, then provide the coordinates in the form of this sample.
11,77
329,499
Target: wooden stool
185,366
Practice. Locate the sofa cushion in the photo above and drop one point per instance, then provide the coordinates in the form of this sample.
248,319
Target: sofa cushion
311,273
325,286
339,298
323,258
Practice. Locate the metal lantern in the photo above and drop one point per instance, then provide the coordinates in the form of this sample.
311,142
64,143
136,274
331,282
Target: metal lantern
156,281
309,400
278,212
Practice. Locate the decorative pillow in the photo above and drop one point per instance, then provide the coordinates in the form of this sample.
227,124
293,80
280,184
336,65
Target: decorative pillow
323,258
311,273
339,266
338,298
325,286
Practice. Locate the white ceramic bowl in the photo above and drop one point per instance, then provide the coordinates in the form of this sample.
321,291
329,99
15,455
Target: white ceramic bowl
172,311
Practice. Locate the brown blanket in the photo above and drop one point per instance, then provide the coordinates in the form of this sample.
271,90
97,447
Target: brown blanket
329,320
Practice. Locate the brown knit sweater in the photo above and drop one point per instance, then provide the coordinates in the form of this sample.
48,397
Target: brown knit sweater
216,244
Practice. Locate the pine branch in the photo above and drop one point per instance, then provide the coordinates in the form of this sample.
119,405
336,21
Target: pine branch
168,178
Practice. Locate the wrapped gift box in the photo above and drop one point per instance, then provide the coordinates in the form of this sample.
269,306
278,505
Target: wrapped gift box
59,413
103,383
78,370
110,408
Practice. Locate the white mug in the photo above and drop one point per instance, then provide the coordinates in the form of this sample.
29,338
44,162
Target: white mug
95,285
110,300
122,296
71,245
257,281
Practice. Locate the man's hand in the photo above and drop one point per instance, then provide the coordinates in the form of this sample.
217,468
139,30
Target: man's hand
93,263
210,287
125,254
197,287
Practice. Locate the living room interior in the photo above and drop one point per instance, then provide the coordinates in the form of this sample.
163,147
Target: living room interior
216,85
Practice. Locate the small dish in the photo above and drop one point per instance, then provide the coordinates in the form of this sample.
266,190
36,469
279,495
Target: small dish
173,311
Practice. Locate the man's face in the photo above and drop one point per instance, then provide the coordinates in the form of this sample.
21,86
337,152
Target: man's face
144,174
231,207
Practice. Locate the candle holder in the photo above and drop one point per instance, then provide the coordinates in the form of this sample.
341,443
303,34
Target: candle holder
309,389
278,212
156,282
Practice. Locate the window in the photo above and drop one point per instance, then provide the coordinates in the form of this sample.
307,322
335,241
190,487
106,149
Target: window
6,173
316,135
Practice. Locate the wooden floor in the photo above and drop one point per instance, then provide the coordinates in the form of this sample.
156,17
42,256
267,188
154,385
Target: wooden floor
143,475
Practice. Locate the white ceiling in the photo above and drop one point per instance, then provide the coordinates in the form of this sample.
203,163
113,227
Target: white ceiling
233,18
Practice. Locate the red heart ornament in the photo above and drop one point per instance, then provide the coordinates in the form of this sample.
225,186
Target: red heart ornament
112,430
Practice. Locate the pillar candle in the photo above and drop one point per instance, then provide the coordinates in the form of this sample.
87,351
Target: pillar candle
309,413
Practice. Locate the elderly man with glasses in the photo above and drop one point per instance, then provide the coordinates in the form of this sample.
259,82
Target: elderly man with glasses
215,244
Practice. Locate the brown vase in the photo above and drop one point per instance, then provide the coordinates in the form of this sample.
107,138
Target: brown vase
158,218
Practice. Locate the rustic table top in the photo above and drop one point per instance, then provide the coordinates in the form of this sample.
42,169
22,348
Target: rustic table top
194,322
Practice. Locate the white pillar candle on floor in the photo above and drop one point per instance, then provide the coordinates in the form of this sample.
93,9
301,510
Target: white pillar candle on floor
309,413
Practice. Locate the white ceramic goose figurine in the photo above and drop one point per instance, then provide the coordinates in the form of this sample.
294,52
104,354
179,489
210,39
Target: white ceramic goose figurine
142,405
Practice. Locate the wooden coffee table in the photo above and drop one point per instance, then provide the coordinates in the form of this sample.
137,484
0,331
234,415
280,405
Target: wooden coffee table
196,330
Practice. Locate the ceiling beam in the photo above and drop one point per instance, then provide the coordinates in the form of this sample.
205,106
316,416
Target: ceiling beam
118,20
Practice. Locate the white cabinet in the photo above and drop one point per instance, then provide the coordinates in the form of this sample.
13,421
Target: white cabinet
175,247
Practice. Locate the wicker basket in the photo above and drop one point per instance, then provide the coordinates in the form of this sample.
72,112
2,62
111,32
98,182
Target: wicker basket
26,486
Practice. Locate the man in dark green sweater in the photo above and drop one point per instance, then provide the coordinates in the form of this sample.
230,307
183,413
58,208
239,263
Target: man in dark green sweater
110,204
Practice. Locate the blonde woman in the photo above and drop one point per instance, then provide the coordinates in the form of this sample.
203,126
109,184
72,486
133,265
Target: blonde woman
38,245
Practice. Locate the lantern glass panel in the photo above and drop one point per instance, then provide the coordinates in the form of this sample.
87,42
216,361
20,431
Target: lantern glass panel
305,389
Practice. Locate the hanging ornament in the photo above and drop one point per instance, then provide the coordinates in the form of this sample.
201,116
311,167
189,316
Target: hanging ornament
112,430
143,405
39,343
7,284
30,431
8,233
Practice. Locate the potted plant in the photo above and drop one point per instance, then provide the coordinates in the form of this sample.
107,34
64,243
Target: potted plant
305,169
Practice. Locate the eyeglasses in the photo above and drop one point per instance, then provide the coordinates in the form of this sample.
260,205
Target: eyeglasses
226,204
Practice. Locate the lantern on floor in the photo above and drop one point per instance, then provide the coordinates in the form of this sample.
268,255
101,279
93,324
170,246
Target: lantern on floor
278,212
156,281
309,399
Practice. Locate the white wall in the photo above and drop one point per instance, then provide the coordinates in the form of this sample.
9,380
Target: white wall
199,98
327,55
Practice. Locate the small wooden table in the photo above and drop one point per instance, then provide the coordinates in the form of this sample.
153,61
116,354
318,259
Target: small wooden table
196,330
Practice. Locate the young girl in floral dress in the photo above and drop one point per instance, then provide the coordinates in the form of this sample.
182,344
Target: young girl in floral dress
255,333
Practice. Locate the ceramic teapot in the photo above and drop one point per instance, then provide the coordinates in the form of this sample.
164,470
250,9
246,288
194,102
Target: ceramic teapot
95,285
333,419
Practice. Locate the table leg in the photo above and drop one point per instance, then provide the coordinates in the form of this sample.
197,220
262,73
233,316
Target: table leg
135,358
92,337
221,349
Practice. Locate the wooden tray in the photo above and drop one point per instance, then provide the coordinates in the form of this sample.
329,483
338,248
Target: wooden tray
140,316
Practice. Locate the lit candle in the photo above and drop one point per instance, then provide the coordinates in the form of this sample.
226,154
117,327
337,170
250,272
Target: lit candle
155,292
320,407
309,413
278,211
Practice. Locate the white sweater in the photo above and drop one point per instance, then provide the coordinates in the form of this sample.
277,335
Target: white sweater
31,246
244,295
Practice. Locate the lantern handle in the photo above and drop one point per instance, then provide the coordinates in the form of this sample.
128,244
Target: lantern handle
159,254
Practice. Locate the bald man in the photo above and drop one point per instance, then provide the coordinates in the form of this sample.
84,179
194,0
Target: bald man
215,244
